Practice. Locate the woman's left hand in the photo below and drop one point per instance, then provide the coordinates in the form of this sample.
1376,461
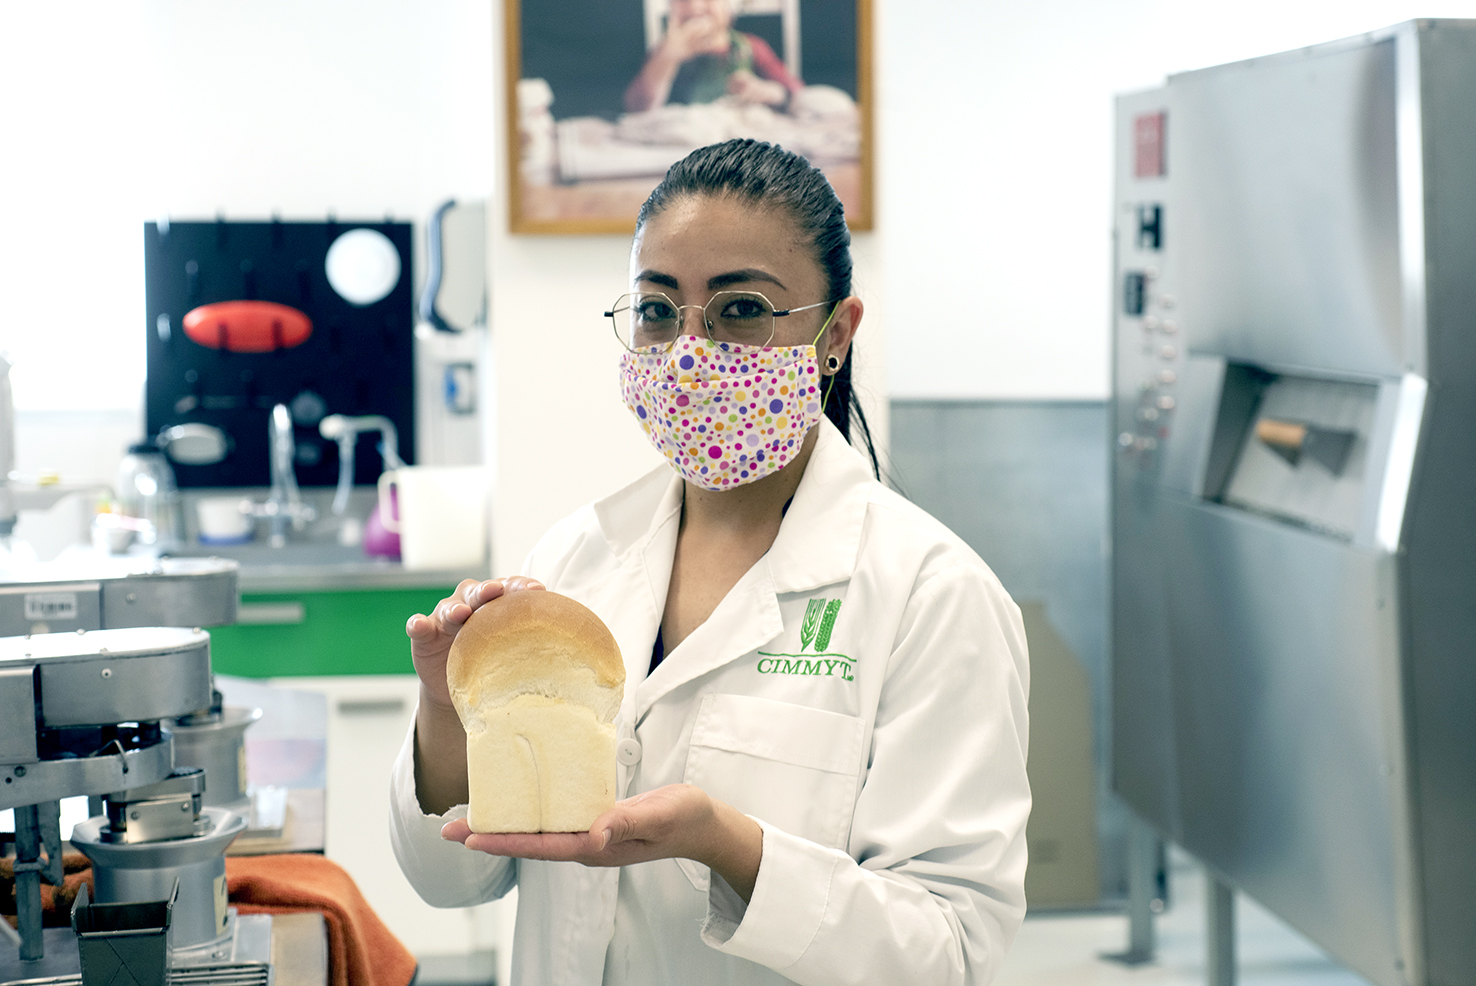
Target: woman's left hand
678,820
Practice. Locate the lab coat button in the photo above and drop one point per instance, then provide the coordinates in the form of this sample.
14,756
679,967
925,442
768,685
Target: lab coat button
628,752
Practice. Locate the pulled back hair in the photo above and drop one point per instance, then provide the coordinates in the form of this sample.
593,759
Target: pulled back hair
769,176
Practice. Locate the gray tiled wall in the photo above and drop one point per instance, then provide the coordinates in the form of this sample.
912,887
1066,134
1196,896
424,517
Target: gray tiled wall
1025,484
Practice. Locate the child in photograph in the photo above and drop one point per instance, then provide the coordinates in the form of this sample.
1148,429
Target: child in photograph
701,59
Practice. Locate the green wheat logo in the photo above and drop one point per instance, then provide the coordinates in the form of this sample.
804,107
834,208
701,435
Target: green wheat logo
827,625
817,627
812,620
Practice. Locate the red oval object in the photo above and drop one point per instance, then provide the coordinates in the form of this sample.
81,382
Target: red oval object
248,326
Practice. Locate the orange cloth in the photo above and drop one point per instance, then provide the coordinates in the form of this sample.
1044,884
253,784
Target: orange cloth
361,950
56,902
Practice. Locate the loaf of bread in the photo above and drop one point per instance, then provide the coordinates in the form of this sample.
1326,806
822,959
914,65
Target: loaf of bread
537,680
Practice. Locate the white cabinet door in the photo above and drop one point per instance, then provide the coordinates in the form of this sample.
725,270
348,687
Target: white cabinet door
368,717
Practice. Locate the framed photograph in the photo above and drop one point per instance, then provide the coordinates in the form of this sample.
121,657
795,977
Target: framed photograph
605,95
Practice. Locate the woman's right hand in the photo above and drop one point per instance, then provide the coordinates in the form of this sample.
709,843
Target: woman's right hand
692,37
431,636
440,761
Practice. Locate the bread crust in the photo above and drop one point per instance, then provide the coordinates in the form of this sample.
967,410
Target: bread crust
537,680
534,642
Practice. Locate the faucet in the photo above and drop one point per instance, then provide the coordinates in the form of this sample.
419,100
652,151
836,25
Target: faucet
345,430
284,504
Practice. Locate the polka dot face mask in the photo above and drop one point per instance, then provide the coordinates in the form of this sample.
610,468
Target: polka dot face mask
723,414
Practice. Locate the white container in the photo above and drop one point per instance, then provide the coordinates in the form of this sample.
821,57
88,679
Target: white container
222,521
441,515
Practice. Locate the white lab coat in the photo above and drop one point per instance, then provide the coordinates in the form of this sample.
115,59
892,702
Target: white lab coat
880,744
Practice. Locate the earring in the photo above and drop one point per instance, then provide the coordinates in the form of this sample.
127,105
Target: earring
832,362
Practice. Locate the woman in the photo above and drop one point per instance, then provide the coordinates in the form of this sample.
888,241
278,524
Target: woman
824,721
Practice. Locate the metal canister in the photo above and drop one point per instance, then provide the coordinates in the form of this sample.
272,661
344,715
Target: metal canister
216,742
145,871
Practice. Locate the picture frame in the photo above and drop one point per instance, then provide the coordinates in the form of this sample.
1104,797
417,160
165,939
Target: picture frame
604,95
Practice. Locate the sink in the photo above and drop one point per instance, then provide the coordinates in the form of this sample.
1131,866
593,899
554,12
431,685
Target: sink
319,565
311,559
315,547
259,554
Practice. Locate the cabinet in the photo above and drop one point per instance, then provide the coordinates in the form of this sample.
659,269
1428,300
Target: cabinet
321,632
349,645
368,717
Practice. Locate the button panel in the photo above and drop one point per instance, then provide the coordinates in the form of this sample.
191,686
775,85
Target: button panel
1149,321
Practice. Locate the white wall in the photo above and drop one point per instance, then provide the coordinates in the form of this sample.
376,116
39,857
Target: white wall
993,188
997,168
124,111
71,269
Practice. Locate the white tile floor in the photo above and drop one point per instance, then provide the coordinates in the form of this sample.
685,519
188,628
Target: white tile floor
1066,951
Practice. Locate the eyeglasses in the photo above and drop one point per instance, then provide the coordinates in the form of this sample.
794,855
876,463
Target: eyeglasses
647,319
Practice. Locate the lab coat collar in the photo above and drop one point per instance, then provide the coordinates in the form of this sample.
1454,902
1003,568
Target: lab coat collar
818,540
639,523
631,514
817,545
821,534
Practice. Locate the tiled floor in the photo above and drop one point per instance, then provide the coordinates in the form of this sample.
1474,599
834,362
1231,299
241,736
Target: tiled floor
1065,951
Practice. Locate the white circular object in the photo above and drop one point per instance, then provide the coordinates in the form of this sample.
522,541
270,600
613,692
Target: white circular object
363,266
628,752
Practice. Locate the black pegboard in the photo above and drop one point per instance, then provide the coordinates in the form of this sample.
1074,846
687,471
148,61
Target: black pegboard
358,360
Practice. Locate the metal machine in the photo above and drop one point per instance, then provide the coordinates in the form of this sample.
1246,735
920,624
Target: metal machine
89,712
135,591
1294,487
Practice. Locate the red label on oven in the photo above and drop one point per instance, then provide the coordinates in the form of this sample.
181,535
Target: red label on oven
1148,146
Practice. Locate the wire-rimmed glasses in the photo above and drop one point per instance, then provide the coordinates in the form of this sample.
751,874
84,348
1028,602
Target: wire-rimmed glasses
644,320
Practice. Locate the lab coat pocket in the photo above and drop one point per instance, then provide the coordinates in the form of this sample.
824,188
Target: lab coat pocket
792,766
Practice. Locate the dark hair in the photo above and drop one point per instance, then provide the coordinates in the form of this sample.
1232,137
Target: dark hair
768,175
